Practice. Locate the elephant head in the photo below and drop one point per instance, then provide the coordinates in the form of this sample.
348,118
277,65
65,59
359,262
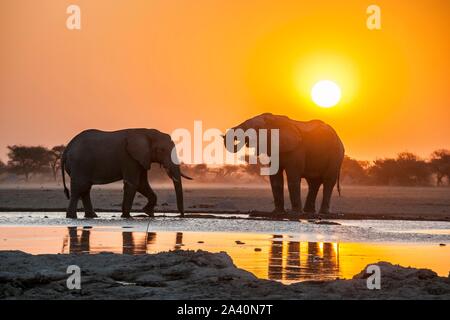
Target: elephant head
289,134
148,146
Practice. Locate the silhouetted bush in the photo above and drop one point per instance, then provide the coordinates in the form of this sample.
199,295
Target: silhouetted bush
440,165
406,170
25,160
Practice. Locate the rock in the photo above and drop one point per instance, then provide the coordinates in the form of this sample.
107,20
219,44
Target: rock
192,275
257,249
324,222
239,242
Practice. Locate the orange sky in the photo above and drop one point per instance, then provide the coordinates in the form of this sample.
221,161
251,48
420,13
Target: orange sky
164,64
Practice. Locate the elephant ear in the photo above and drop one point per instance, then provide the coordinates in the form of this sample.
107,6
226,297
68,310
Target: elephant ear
138,146
290,135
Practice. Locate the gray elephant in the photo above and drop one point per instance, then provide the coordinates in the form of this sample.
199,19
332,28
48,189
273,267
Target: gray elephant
97,157
310,150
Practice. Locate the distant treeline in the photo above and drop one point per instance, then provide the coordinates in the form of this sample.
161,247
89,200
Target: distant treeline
407,169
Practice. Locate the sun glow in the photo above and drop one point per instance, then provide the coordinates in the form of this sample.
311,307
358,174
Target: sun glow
326,93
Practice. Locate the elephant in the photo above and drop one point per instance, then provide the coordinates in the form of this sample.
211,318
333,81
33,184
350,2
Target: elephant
95,157
310,150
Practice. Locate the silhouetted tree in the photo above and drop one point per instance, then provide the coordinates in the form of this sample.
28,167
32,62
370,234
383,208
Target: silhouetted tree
406,169
2,167
440,165
55,159
27,160
355,171
383,171
412,169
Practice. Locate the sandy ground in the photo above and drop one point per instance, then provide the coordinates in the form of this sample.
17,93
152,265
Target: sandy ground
357,202
192,275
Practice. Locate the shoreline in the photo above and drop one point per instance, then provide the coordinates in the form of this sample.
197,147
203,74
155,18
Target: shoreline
356,203
252,215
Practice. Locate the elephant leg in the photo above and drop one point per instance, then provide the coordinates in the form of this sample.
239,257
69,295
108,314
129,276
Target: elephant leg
129,191
277,184
294,181
87,205
76,191
313,189
147,191
72,209
328,186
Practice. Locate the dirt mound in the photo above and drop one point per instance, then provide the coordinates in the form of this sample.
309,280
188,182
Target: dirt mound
192,275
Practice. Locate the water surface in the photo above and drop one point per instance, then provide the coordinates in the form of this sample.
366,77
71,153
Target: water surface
286,251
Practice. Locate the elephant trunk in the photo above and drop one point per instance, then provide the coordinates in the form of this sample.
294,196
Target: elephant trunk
175,174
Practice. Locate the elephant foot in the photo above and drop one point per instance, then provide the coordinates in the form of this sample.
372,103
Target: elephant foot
126,216
90,215
71,215
324,211
149,210
278,211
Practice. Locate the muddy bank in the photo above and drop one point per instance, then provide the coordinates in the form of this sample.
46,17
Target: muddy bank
357,202
192,275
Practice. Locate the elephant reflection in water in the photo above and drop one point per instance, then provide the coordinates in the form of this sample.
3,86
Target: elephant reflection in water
80,243
131,246
178,240
276,258
292,261
320,260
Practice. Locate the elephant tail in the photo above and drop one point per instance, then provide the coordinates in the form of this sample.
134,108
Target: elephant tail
63,162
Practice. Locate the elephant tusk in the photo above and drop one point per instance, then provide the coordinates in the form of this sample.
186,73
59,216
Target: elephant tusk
185,176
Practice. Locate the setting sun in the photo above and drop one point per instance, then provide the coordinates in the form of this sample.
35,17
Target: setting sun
326,93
